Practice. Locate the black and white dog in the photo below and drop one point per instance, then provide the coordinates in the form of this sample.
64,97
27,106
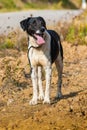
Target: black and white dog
44,49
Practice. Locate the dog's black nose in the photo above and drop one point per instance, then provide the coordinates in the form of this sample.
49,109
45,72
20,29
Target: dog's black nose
42,29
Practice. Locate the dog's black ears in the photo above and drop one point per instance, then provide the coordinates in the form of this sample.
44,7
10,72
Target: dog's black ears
43,21
24,23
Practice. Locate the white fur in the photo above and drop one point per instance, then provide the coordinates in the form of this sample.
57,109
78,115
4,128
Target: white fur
40,57
41,93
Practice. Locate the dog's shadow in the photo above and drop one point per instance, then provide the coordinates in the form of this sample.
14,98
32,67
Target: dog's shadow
70,95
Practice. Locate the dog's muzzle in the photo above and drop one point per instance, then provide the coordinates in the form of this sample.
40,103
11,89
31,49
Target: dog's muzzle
39,39
42,29
39,36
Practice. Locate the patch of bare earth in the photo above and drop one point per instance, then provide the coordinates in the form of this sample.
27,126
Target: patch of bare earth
69,113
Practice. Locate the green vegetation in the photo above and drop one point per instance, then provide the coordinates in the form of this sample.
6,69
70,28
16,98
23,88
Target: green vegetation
8,44
5,43
7,5
77,31
13,5
14,40
77,35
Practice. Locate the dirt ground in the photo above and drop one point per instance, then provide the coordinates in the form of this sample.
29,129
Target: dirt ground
68,113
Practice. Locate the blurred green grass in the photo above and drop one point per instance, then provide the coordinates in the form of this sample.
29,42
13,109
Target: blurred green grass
14,40
77,31
14,5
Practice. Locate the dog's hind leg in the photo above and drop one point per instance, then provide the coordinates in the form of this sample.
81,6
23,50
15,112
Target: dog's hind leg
41,94
59,66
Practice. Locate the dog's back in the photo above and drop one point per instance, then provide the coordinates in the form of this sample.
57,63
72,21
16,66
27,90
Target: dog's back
56,46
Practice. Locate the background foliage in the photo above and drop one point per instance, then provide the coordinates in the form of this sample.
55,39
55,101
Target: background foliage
11,5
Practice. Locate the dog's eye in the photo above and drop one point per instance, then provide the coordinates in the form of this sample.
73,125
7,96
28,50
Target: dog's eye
34,22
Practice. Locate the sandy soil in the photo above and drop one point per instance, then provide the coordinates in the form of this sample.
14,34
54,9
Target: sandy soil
69,113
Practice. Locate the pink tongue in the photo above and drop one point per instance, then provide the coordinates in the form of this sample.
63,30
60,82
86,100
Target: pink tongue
40,40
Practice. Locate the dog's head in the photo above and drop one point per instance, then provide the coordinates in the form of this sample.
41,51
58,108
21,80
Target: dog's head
35,27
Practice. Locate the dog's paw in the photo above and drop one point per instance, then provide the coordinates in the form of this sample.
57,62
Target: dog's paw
33,101
41,97
46,100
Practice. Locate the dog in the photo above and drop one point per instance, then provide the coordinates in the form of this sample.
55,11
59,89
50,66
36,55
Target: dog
44,48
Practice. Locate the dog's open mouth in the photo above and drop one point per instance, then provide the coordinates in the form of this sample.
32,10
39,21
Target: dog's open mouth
39,39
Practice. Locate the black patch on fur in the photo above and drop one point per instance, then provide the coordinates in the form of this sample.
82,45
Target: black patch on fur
32,24
55,46
43,23
24,23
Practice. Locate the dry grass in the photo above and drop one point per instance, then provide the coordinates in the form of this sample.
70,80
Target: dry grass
14,40
77,32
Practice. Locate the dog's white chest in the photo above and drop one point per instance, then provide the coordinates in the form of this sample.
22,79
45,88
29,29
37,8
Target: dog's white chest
38,57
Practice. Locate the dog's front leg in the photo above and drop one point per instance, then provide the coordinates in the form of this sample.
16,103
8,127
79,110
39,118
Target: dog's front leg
41,93
34,82
48,83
